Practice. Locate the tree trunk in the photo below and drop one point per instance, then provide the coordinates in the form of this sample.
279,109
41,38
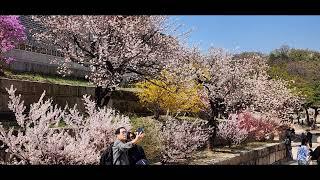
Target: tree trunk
298,116
1,72
157,112
315,117
1,69
213,121
102,96
307,114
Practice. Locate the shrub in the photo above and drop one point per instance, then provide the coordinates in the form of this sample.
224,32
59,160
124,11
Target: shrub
12,32
181,138
168,95
80,142
231,131
257,126
247,126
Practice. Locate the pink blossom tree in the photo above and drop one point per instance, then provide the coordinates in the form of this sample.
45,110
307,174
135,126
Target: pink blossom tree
112,47
235,83
257,125
181,138
247,125
12,32
40,141
231,131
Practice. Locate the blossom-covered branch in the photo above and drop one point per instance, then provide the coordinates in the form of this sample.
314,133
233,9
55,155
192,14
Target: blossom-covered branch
39,140
112,47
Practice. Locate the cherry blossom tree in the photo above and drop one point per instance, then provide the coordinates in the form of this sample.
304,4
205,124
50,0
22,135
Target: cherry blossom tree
40,141
257,125
181,138
112,47
235,83
231,131
247,126
12,32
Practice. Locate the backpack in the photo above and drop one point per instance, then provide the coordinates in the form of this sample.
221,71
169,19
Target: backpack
107,156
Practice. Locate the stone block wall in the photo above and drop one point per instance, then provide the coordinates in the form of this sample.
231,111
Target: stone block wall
27,61
270,154
122,101
31,92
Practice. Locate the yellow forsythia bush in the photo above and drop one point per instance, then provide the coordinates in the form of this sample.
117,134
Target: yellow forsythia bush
167,95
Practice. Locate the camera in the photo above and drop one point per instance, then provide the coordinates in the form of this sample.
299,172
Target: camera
140,130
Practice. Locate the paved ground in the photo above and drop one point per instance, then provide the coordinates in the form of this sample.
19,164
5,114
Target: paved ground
295,145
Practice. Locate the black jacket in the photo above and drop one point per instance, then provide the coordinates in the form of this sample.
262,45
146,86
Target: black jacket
309,136
315,155
136,153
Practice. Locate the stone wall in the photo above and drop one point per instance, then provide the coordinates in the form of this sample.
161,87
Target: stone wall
31,91
266,155
36,62
127,102
61,94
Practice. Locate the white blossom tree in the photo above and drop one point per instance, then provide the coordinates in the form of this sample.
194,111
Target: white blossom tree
231,131
39,141
112,47
181,138
235,83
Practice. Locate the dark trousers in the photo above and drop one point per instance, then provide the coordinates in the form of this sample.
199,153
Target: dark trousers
289,152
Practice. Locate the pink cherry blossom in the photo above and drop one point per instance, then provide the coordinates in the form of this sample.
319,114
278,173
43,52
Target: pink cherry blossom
12,32
39,141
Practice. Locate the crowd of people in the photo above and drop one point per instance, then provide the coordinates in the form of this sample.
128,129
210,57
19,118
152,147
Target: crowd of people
305,153
126,151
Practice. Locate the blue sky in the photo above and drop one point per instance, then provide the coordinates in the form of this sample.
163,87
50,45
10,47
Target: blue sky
253,33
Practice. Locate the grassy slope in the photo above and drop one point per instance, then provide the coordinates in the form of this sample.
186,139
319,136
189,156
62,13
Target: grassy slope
47,78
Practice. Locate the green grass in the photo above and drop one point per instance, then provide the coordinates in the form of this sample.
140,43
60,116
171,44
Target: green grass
130,89
47,78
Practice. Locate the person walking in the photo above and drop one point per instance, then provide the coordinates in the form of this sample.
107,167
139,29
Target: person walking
309,137
287,142
303,153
